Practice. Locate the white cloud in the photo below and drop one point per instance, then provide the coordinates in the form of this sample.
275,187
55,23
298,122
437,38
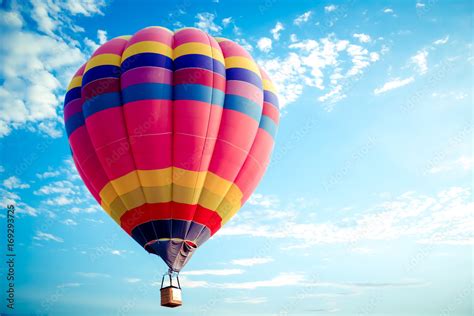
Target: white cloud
420,61
443,218
330,8
363,38
319,64
249,262
217,272
245,300
35,76
362,250
132,280
266,201
69,222
226,21
117,252
68,285
206,23
277,30
464,163
47,237
441,41
264,44
93,275
102,36
11,198
281,280
48,174
394,84
303,18
293,38
420,5
14,183
388,10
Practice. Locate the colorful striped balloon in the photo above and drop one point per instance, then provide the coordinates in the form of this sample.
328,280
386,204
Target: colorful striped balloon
171,133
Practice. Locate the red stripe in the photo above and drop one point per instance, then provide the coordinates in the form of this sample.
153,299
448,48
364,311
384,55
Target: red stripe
199,76
171,210
100,86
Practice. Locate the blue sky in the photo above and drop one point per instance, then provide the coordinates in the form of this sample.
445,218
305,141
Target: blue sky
366,207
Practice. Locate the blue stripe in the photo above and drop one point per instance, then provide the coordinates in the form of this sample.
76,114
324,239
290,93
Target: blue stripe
165,228
101,102
99,72
198,92
147,91
243,105
269,125
244,75
270,97
147,59
74,93
199,61
74,122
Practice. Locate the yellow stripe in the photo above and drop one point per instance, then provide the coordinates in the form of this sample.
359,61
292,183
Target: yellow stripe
103,59
221,39
242,62
75,82
147,47
198,48
125,37
171,184
269,86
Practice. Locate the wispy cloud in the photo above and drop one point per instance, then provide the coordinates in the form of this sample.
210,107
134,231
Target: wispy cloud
132,280
330,8
303,18
206,22
282,279
245,300
420,60
47,237
217,272
463,163
394,84
14,183
248,262
264,44
277,30
93,275
443,218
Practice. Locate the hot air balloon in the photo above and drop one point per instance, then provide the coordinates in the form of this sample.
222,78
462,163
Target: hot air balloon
171,132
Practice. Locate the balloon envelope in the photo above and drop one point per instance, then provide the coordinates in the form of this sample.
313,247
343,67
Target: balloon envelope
171,133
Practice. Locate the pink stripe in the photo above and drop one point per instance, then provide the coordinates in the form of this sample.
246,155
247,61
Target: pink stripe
146,75
252,172
116,159
191,117
187,151
80,71
114,46
238,129
245,90
264,74
80,144
95,172
152,151
227,160
72,108
271,111
230,48
152,34
146,117
106,126
86,181
190,35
